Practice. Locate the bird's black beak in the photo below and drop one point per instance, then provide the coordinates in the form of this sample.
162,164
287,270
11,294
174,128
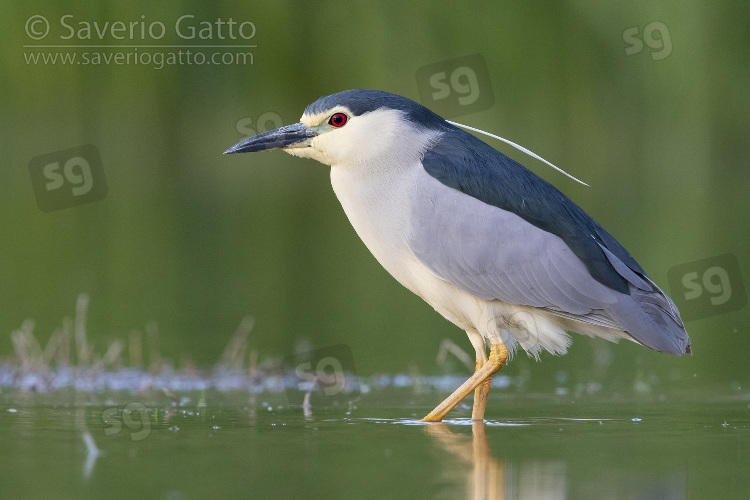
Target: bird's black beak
291,136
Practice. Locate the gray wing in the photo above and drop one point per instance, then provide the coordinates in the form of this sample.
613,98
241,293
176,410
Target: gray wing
495,254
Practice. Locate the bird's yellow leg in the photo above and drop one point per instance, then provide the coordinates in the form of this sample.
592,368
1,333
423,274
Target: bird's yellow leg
483,389
480,396
498,356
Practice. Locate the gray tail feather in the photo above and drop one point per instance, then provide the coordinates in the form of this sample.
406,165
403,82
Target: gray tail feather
651,318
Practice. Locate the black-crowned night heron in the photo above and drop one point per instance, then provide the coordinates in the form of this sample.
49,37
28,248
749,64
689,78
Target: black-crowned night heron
496,250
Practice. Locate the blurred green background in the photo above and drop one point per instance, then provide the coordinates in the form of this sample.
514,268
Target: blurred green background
194,240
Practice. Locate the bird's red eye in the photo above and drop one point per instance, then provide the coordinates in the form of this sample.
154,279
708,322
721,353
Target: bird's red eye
338,119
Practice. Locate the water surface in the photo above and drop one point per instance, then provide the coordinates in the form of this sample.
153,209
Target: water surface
69,444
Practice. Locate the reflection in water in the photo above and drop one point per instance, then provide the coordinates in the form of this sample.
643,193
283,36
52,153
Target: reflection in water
488,478
593,474
92,453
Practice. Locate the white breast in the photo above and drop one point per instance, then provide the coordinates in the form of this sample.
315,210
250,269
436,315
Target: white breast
376,204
